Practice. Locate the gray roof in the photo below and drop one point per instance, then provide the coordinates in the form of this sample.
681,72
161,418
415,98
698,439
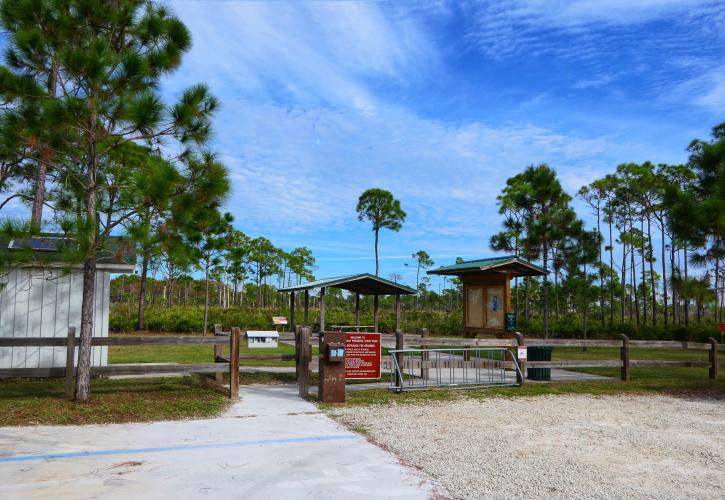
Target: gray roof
506,263
365,284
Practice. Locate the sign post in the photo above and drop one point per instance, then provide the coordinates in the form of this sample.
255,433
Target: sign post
362,355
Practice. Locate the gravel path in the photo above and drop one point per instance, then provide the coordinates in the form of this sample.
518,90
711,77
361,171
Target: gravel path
558,446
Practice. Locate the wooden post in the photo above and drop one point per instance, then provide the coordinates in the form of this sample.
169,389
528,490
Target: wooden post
234,363
322,309
399,344
70,355
424,356
713,357
306,321
397,312
357,309
292,311
218,353
626,372
520,341
375,313
303,362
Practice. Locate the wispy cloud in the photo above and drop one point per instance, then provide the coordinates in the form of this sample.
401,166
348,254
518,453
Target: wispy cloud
301,52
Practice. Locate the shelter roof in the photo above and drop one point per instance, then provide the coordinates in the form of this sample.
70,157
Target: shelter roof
509,264
365,284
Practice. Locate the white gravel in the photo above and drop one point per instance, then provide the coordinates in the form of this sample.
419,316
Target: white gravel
558,446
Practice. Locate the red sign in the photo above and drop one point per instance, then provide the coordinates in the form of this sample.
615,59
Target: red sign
362,355
722,327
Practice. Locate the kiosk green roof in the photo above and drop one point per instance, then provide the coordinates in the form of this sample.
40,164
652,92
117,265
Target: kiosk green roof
505,264
364,284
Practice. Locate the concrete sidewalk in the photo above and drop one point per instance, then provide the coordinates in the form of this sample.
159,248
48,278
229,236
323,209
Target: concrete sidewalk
269,445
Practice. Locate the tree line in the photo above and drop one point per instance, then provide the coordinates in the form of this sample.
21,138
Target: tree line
644,213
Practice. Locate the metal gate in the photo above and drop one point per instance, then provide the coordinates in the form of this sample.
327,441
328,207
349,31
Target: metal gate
453,368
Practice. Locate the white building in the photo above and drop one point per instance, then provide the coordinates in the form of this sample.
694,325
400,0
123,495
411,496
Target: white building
257,339
43,299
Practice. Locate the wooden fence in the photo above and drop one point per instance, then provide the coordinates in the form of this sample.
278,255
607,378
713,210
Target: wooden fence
226,367
624,361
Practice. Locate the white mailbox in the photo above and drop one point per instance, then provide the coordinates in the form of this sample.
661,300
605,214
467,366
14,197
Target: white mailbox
258,339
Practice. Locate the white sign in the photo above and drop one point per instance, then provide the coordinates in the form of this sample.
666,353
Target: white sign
522,353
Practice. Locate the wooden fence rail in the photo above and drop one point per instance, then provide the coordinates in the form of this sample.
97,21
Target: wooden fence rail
223,367
228,366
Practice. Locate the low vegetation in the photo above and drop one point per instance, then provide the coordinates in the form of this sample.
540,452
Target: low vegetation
42,402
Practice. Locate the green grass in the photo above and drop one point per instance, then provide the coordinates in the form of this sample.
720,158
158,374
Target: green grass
42,402
195,354
634,353
677,381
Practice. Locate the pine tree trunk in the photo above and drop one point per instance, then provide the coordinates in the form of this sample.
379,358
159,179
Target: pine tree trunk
687,299
664,276
634,287
675,298
611,277
644,274
377,267
206,297
546,290
39,198
526,298
142,292
601,273
623,304
652,272
83,372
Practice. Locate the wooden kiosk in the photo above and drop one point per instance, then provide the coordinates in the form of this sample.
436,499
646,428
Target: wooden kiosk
487,291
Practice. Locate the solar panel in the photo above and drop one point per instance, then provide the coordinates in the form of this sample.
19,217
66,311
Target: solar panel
38,244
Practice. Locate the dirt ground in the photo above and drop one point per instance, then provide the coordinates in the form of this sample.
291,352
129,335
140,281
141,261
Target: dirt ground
558,446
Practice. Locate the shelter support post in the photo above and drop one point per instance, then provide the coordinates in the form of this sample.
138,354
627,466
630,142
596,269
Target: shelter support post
307,308
357,309
292,311
375,312
322,309
397,312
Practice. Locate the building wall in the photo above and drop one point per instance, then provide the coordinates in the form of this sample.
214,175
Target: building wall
42,302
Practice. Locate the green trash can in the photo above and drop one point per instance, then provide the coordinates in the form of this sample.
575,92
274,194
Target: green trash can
539,353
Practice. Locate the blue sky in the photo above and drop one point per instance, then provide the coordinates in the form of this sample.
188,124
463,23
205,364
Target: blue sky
440,102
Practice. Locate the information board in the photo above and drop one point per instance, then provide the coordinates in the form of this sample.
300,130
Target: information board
362,355
279,320
510,322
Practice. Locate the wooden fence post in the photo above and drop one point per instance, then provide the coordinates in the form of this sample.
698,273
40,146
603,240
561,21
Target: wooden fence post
521,375
399,344
218,353
234,363
303,361
626,373
713,357
70,354
424,356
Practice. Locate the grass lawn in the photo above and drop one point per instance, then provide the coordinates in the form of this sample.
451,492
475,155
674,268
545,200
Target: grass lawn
673,381
194,354
634,353
42,402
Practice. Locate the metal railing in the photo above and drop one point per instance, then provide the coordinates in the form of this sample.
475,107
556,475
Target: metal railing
453,368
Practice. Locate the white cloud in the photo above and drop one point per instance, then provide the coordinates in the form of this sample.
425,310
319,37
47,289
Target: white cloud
303,52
